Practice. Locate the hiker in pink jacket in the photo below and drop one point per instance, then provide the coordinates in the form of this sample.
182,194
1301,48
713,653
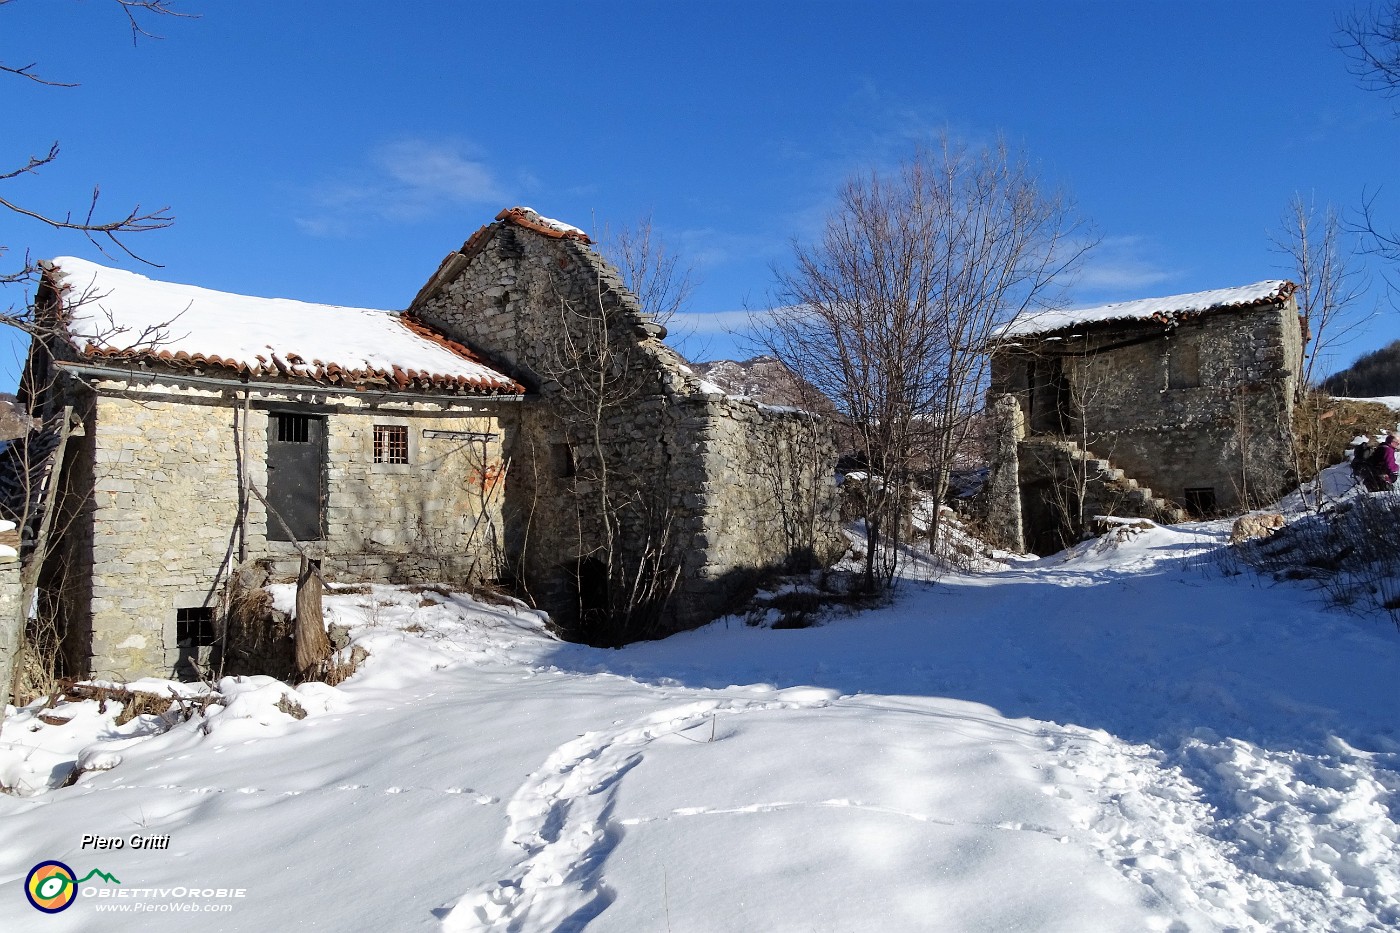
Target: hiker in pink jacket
1389,469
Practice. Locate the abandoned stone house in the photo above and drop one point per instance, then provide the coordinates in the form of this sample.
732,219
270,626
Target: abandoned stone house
522,423
1157,408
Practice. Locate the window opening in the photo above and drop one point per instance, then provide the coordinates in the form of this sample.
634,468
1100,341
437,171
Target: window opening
194,627
390,443
1184,366
564,460
1200,500
294,429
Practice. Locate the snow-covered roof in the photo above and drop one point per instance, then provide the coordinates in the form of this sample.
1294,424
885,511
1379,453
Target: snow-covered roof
1165,310
116,314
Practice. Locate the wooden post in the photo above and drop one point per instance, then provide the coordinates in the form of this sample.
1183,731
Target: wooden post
12,629
243,481
313,644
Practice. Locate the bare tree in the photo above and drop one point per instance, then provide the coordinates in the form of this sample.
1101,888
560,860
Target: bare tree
1329,278
109,235
890,311
650,269
1370,38
628,558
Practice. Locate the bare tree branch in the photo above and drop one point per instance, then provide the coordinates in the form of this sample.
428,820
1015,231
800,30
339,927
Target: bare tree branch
1329,280
25,71
650,269
1370,38
107,234
155,7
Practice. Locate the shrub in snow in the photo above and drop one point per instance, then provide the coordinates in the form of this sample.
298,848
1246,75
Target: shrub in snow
1351,551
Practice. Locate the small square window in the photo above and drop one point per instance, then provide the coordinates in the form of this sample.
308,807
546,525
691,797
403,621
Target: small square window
390,443
194,627
294,429
1200,500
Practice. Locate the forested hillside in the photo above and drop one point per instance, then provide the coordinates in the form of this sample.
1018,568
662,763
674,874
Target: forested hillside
1374,374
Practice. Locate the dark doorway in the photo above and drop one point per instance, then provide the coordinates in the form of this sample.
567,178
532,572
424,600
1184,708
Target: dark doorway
1050,396
296,455
1046,510
591,580
1200,501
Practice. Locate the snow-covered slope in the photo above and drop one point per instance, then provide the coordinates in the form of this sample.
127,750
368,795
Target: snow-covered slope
1121,738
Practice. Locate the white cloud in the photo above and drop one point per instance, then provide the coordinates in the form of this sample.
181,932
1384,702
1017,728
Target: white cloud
715,322
406,180
1121,267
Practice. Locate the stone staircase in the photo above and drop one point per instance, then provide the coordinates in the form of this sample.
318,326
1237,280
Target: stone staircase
1107,489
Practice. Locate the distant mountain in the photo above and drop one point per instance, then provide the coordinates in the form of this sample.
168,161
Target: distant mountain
764,379
13,421
1375,374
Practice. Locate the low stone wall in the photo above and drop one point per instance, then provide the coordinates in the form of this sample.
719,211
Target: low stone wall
767,501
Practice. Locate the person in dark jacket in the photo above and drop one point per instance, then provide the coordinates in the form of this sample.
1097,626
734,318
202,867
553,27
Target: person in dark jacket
1360,456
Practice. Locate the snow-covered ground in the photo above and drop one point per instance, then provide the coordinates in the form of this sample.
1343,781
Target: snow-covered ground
1125,737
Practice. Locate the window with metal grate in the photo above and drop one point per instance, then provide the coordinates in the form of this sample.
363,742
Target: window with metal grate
390,443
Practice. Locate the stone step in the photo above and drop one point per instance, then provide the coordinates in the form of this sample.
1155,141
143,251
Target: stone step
1134,497
1140,497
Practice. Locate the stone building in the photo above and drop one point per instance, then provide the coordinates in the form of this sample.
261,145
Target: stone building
522,423
1155,408
643,498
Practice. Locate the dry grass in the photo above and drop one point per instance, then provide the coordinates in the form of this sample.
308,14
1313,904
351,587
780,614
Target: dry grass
343,665
1350,552
1323,427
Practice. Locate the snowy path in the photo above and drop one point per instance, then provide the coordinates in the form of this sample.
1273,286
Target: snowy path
561,818
1110,743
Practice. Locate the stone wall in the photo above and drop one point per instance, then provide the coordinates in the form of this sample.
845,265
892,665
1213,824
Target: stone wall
639,467
1000,499
767,490
152,501
1205,404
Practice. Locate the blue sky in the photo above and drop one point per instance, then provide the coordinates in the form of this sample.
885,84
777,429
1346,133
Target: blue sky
336,151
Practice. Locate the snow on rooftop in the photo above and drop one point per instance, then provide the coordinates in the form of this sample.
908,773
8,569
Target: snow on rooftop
556,225
1168,308
119,313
